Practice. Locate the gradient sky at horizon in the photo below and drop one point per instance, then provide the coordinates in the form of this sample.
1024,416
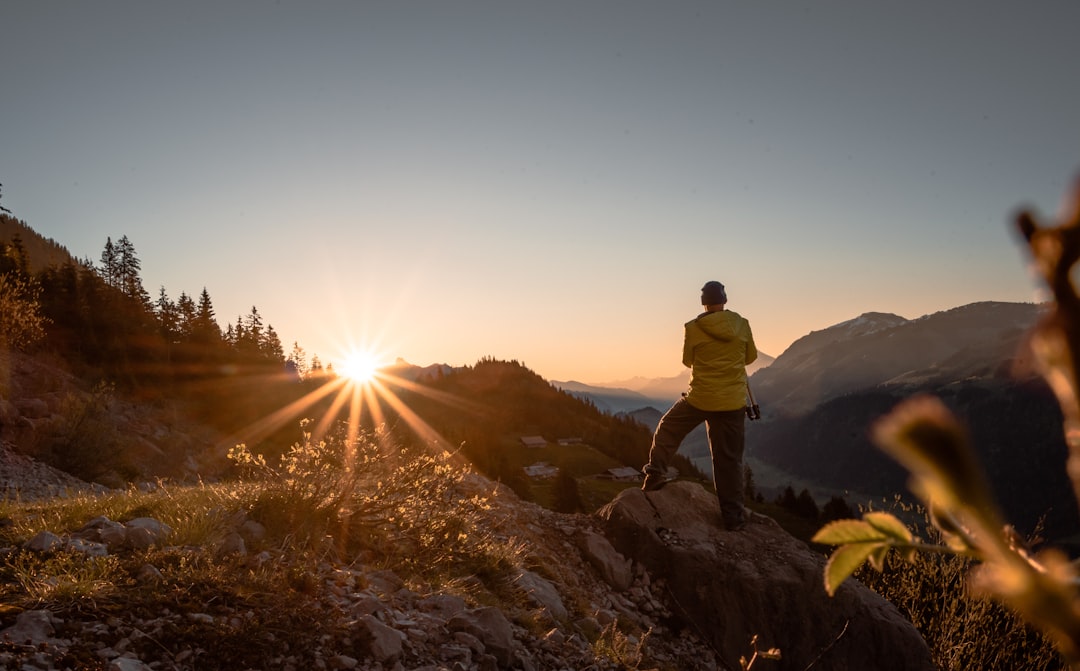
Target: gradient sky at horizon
548,182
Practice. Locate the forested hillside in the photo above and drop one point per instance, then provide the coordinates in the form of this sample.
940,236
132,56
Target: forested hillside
97,321
495,403
103,323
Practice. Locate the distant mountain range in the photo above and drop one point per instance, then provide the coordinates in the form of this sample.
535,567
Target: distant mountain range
979,340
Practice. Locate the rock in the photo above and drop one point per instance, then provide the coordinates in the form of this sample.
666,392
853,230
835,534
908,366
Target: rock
232,544
446,605
127,664
758,581
8,412
543,593
144,532
386,581
252,531
491,627
103,530
381,642
44,541
32,627
367,604
32,408
614,567
589,627
605,617
343,662
137,538
471,642
159,531
149,575
88,548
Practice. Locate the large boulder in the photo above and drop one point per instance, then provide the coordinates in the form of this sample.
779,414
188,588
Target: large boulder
733,585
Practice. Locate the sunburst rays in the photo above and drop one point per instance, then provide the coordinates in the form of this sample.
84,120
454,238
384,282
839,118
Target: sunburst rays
373,397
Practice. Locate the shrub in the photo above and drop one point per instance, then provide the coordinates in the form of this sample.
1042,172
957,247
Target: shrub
86,441
366,496
21,322
311,484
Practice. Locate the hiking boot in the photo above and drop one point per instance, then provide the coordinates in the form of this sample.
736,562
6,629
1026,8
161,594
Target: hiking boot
654,481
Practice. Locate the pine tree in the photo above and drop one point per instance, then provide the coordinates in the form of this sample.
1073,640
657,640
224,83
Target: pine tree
749,486
250,335
110,264
185,317
168,317
805,506
206,330
787,499
239,335
298,357
271,345
17,257
129,269
836,508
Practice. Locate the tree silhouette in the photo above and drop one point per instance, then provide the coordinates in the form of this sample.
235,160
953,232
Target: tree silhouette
110,264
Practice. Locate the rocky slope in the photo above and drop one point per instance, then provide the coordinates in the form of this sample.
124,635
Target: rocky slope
579,603
94,431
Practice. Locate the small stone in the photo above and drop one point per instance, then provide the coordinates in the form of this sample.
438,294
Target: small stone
44,541
343,662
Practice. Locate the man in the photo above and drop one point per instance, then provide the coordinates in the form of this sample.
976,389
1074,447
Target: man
717,347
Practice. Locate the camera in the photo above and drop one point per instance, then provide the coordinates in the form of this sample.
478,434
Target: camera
753,411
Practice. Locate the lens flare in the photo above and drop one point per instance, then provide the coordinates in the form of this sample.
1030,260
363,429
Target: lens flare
360,367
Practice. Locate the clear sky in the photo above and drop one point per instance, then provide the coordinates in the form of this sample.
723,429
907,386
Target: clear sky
550,181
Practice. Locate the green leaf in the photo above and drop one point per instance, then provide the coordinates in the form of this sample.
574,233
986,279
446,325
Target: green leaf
844,561
889,525
877,557
841,532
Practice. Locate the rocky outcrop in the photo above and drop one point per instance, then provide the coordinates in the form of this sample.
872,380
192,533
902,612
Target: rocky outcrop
733,585
43,407
652,582
25,478
582,606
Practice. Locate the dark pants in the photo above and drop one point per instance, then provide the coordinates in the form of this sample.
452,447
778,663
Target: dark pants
727,436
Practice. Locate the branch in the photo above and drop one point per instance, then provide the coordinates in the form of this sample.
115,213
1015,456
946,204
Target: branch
1056,339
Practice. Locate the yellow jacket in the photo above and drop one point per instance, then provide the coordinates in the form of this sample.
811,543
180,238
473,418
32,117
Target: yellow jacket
717,347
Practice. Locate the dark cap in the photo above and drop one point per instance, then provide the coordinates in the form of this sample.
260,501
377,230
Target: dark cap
713,293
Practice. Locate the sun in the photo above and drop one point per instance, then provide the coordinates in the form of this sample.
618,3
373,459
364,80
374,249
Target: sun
360,366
